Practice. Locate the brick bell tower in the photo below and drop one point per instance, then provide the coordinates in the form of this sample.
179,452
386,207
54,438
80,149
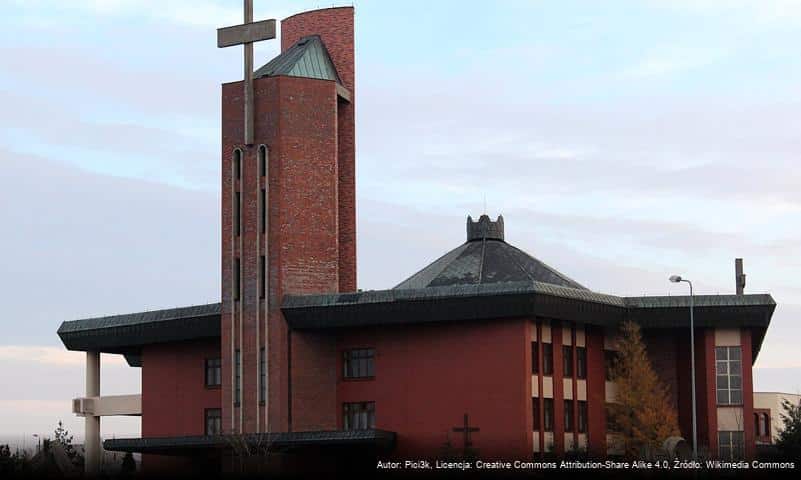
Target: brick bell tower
288,224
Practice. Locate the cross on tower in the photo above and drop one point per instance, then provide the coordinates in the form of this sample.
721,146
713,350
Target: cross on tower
466,430
246,34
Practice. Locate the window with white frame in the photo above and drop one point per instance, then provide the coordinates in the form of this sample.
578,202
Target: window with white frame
730,445
729,371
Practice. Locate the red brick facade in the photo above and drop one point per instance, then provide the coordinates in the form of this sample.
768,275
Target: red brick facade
308,132
427,376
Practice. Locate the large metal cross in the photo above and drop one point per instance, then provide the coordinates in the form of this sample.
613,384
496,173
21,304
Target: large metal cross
246,34
466,430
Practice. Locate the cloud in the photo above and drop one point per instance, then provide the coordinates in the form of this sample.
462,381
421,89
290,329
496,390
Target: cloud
673,60
104,245
50,356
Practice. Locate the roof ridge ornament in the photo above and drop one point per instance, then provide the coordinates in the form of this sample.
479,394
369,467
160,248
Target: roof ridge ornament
484,228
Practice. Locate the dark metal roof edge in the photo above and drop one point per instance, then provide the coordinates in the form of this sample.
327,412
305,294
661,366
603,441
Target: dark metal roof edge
279,439
446,293
214,309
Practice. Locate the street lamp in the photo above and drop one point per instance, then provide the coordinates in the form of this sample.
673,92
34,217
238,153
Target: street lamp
677,279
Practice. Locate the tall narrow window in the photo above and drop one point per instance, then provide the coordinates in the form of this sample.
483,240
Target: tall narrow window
213,421
213,372
237,213
237,377
728,367
236,278
262,160
358,416
548,414
581,362
238,163
359,363
535,412
262,277
567,361
263,210
568,415
535,359
262,375
611,425
610,357
547,359
582,416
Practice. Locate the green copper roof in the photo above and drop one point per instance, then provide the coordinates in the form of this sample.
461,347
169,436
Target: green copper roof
307,58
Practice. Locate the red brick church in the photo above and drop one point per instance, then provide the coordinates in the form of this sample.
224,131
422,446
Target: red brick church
487,343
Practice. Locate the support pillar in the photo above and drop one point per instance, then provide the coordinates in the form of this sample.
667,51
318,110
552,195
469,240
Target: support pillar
92,422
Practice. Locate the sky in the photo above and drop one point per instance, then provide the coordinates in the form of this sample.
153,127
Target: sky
622,142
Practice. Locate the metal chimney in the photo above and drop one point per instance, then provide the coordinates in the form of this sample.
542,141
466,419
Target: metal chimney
739,276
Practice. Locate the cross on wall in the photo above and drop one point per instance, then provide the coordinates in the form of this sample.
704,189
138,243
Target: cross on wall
466,430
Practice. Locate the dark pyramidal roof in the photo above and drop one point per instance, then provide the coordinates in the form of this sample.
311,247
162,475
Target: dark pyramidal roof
486,258
307,58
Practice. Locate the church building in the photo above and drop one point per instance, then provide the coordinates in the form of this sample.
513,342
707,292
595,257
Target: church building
487,348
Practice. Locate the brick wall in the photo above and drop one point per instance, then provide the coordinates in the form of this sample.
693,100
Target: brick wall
310,243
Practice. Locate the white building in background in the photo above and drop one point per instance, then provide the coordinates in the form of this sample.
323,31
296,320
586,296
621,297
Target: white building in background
768,412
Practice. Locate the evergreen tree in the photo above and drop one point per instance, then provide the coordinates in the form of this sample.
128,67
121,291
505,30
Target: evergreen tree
641,412
789,442
64,437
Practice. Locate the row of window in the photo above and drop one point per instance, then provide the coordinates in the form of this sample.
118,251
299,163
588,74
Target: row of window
569,415
355,416
567,360
262,194
214,374
262,162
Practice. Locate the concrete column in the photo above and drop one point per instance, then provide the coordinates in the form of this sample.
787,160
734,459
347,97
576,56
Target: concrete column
92,422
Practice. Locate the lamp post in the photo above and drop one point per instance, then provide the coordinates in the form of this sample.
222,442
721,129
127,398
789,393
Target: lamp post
38,442
677,279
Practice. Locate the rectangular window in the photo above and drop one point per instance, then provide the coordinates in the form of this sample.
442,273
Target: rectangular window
548,414
358,416
263,210
237,213
730,445
729,375
237,275
359,363
567,361
582,416
535,360
611,426
581,362
213,421
262,375
610,356
237,377
262,277
568,415
547,359
213,372
535,410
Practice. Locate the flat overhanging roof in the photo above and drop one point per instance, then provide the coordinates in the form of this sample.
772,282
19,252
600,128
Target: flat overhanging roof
126,334
524,299
379,439
516,299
